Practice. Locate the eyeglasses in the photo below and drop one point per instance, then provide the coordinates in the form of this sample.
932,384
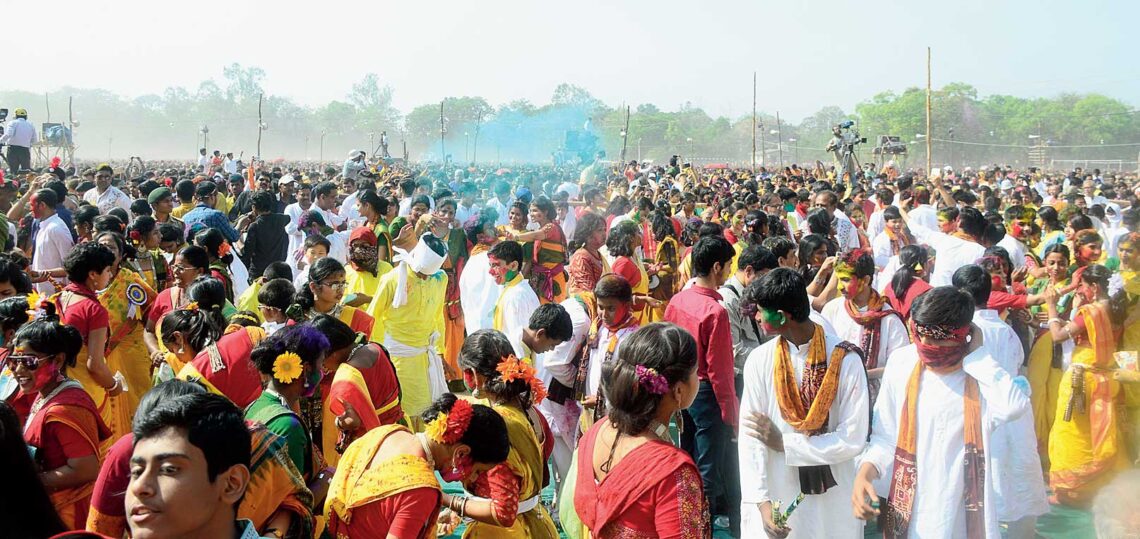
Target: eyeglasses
337,286
27,361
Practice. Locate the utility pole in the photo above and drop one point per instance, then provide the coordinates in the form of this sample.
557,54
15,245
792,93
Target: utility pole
763,155
928,163
753,121
780,138
475,147
260,124
442,132
625,134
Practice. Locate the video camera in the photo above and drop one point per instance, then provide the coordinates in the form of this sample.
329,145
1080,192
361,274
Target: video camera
852,137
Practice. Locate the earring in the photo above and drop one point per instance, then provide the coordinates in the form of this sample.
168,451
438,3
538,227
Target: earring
180,350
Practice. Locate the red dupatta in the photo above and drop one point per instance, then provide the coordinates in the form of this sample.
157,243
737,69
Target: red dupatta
599,504
224,367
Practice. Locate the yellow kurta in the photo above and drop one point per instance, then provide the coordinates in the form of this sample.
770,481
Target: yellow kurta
361,282
418,323
526,460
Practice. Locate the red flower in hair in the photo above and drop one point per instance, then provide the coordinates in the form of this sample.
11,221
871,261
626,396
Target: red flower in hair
55,161
224,249
136,236
458,421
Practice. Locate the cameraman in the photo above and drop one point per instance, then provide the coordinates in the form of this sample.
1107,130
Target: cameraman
20,136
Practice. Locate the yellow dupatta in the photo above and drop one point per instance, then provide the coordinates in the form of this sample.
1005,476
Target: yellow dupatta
127,299
356,484
497,319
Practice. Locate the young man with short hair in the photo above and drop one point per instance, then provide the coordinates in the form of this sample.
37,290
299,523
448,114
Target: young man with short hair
713,413
265,239
806,406
189,470
51,241
517,299
753,263
206,195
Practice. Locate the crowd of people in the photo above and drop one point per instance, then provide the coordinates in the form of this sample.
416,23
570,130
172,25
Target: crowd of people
215,349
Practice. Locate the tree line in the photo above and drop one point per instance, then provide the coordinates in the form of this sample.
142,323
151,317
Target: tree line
968,129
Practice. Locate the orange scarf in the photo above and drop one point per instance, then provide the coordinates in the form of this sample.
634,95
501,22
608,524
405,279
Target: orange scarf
872,322
904,481
898,241
808,408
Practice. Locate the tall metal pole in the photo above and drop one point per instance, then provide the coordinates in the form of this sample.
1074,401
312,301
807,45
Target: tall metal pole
763,152
625,134
753,121
928,163
442,130
780,138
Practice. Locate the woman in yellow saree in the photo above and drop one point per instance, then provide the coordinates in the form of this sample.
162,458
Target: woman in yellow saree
127,300
1048,359
1085,444
511,506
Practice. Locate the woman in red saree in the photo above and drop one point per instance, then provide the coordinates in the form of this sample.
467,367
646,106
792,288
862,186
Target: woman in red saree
630,479
64,427
222,364
89,268
358,378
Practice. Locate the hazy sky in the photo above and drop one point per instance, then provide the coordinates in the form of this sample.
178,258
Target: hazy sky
809,53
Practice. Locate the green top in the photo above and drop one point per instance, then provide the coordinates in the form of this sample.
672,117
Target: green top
270,410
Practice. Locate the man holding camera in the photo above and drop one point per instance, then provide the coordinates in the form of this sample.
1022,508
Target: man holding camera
20,136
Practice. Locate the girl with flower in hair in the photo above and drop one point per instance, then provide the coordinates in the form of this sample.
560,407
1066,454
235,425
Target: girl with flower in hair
628,479
145,238
386,486
290,361
221,257
510,505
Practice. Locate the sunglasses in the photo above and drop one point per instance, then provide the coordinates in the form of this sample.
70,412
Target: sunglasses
27,361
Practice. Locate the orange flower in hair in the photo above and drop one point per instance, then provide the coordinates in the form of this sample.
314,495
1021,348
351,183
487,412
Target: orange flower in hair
537,391
192,306
224,249
511,369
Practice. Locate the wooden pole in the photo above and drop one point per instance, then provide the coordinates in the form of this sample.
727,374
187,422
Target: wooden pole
753,121
780,137
625,137
260,127
47,105
928,162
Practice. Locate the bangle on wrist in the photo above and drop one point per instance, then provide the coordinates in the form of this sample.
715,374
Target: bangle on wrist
1055,319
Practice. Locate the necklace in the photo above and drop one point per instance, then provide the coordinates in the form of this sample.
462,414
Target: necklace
661,431
427,450
39,403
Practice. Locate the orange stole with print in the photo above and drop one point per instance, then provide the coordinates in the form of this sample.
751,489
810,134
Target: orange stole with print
224,367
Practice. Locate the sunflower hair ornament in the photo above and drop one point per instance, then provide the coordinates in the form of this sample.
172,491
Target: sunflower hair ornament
449,427
287,367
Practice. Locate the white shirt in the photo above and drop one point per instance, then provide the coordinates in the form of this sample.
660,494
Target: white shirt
598,355
845,233
110,199
53,242
876,224
951,253
923,215
1016,250
501,209
892,332
331,219
559,363
768,475
463,214
348,211
570,188
230,166
296,237
480,292
939,506
1018,483
570,224
881,249
203,161
20,132
515,304
406,207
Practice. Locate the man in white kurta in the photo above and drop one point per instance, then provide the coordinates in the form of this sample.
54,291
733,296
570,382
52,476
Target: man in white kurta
517,300
939,505
1018,482
479,293
953,251
768,475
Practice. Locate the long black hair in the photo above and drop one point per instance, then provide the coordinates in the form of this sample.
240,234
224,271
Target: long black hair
486,435
320,270
483,351
211,239
25,507
910,257
667,349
